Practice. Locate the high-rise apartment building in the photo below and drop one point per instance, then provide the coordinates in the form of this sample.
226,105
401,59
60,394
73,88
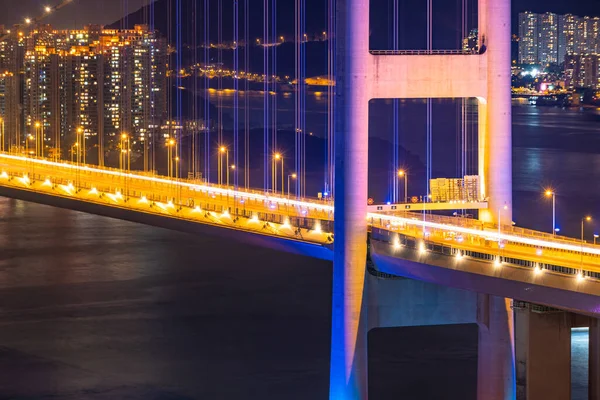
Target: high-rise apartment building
547,39
528,38
582,70
567,30
102,82
11,68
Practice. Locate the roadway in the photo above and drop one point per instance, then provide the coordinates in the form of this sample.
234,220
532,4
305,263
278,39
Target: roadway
296,219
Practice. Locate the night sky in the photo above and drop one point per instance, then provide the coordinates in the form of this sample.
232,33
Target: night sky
106,11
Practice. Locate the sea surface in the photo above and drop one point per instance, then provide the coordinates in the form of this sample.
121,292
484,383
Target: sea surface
97,308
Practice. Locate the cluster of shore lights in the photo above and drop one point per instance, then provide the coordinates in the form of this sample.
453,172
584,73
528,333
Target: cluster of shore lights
304,205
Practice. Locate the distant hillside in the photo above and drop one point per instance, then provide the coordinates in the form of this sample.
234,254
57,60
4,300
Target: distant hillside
165,21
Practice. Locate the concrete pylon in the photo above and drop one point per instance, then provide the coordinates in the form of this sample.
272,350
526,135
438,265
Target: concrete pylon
496,354
494,30
348,372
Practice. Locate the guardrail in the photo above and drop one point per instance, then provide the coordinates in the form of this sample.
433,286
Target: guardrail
421,52
132,199
415,243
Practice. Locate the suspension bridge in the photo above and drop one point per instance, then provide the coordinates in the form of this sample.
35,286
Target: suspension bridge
489,258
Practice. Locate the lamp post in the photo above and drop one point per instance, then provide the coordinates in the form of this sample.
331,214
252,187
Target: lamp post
553,194
403,174
223,150
170,144
29,138
276,158
81,140
2,138
293,176
232,168
583,220
37,138
73,148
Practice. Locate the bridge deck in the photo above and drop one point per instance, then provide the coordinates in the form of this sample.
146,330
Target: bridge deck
302,220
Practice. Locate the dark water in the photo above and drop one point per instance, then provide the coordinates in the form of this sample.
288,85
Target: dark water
96,308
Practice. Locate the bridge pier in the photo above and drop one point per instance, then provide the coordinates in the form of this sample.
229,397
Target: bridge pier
543,350
496,353
348,364
406,302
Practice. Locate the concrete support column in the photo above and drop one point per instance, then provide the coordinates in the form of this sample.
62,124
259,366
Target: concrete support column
499,120
594,360
543,355
496,356
348,371
483,154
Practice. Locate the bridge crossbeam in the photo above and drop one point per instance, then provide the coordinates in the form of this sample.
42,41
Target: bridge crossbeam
428,76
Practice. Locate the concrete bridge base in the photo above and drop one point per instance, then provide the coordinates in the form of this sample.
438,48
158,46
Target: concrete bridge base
543,351
404,303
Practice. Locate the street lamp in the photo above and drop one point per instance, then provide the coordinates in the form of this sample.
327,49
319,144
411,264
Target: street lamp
38,141
48,9
293,176
583,220
124,151
553,194
231,167
223,150
29,138
27,21
2,138
276,158
170,144
75,146
403,174
81,139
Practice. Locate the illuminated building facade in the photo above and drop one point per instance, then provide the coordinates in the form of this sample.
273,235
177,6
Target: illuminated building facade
567,39
582,71
11,67
548,38
106,82
528,38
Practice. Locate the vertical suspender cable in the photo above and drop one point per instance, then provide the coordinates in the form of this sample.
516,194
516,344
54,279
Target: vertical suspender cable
303,41
207,121
330,97
236,87
396,105
194,145
300,99
179,123
267,156
274,80
429,102
246,98
220,76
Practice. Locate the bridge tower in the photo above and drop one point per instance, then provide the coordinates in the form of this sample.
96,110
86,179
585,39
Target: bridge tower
363,75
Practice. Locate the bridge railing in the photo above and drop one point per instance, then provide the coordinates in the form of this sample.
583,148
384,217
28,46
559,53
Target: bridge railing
421,52
132,173
129,198
401,239
476,224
